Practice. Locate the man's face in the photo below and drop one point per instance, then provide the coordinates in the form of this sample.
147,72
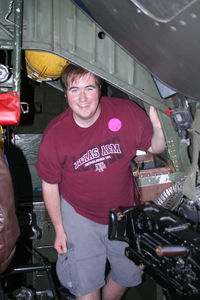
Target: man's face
83,98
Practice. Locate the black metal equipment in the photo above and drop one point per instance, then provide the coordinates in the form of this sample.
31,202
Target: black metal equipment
162,244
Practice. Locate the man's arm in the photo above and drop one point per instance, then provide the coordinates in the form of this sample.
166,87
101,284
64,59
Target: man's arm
52,202
158,140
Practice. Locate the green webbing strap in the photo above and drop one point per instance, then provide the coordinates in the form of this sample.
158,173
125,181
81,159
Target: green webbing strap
189,187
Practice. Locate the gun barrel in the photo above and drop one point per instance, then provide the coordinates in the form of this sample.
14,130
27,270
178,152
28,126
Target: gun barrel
171,250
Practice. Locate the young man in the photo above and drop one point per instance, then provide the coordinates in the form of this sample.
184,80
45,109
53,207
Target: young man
84,162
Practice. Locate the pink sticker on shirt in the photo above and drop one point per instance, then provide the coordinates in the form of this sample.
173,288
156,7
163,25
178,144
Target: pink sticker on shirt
114,124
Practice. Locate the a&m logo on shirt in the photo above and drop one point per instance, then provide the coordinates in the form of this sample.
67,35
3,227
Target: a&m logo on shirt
100,167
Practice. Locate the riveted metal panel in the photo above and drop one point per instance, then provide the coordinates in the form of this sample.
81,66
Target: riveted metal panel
62,28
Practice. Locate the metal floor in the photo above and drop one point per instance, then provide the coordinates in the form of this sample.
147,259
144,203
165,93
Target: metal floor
147,290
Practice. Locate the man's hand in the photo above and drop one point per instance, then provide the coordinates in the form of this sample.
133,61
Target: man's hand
52,202
60,243
158,140
153,115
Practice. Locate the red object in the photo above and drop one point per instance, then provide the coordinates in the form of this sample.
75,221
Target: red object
168,111
9,108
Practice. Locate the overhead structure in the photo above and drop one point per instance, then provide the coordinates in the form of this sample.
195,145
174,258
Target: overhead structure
163,36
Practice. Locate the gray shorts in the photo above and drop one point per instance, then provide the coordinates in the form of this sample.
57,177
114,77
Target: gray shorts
82,269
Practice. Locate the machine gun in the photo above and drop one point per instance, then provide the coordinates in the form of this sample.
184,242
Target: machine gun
162,244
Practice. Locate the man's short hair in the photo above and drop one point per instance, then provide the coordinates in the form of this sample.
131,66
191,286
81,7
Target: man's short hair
71,72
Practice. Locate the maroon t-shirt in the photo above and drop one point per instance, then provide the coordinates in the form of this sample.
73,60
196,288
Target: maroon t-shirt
92,165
